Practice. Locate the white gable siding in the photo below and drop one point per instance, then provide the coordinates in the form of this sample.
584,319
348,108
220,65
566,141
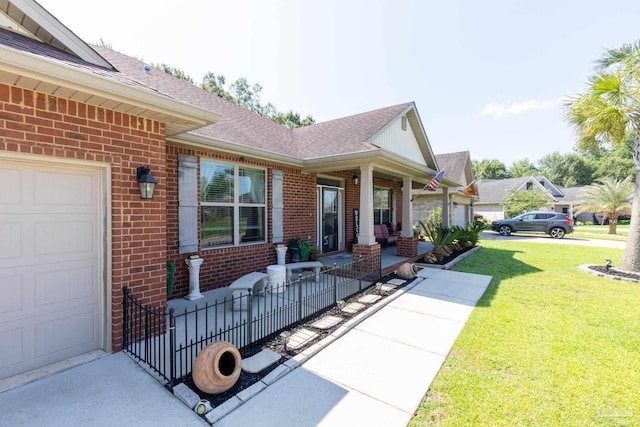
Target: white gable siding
402,142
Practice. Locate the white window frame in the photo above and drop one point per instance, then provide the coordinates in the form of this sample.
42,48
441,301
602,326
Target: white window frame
379,208
236,205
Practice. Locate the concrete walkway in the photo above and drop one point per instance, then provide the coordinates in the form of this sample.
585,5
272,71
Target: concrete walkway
378,372
374,375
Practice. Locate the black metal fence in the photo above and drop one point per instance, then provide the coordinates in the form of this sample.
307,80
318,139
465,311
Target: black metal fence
167,342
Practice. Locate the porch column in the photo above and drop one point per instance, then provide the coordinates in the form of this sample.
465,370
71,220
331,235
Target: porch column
367,236
407,244
407,214
445,206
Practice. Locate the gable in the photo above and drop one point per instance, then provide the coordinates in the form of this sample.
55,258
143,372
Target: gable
402,142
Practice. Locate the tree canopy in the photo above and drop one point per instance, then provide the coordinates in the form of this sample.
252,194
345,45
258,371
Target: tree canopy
517,202
242,93
608,112
611,197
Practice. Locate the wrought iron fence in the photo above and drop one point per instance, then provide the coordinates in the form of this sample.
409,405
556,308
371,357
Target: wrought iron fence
167,342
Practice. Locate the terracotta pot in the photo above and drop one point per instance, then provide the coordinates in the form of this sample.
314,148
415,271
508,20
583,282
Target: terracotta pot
217,367
407,271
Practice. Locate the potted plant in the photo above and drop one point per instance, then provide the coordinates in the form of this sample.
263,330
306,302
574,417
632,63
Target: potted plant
305,247
294,248
313,253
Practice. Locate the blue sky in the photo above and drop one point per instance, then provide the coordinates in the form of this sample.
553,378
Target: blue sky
487,76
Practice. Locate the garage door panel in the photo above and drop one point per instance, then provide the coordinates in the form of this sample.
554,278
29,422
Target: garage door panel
70,333
11,299
11,238
11,345
72,286
70,235
11,186
66,189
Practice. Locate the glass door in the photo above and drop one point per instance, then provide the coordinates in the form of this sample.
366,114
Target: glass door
330,221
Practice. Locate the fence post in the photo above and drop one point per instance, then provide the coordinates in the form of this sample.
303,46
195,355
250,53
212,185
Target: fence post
299,297
147,350
172,348
249,316
335,283
124,318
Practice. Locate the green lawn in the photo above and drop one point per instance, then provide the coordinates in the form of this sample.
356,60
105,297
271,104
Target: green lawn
547,345
601,232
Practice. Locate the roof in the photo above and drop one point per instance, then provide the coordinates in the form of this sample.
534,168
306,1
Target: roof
494,190
347,134
454,165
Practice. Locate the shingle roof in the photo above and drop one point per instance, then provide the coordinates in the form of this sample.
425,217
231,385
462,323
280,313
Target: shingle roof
346,134
454,164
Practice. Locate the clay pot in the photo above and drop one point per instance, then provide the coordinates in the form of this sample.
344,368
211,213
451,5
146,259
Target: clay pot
217,367
407,271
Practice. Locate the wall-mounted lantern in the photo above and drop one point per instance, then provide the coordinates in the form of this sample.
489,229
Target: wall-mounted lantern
355,179
146,181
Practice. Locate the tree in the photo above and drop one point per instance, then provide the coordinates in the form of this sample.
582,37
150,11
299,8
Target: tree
489,169
175,72
517,202
566,170
607,111
522,168
610,197
245,95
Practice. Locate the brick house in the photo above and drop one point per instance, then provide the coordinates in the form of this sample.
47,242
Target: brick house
76,121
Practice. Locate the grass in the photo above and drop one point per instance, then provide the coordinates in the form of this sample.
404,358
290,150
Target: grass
547,345
601,232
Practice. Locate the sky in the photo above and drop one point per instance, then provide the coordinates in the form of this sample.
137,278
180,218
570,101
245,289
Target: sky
490,77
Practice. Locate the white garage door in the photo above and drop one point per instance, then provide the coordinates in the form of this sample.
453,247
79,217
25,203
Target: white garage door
50,264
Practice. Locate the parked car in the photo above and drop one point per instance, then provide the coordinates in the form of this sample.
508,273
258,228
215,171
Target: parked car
552,223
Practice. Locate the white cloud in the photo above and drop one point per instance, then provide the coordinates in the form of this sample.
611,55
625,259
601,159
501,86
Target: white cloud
498,111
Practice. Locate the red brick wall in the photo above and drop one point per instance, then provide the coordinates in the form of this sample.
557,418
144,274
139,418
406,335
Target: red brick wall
222,266
39,124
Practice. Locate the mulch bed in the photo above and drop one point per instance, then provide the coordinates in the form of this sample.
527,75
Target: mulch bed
277,343
615,272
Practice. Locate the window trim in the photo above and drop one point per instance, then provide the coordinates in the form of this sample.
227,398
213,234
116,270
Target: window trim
380,209
236,205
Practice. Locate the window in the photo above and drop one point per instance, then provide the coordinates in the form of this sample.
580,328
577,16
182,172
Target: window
232,204
381,206
529,185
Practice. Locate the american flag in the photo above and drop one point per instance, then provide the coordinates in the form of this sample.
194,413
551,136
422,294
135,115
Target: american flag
471,189
435,181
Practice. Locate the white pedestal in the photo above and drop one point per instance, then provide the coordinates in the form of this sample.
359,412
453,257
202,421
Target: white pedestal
277,278
194,278
281,252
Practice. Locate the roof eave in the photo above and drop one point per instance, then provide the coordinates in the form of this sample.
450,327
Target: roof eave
45,75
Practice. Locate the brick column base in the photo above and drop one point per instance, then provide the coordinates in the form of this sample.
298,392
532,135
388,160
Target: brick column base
368,252
407,247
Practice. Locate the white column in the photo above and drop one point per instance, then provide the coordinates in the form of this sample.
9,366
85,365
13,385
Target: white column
194,278
367,236
407,208
281,253
277,278
445,206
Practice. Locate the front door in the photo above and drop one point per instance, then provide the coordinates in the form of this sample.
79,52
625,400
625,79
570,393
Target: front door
330,221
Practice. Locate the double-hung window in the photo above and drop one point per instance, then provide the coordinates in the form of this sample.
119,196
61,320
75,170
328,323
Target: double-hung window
233,206
381,205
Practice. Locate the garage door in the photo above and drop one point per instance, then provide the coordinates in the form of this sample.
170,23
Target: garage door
50,264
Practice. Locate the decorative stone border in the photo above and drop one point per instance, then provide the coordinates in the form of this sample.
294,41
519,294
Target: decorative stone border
585,268
451,263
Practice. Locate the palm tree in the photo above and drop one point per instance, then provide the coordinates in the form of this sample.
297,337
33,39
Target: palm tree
607,111
611,197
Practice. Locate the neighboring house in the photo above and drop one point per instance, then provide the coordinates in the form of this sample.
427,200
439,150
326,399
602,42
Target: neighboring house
460,201
77,121
493,191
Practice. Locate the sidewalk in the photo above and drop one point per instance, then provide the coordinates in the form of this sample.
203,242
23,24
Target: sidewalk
374,375
377,373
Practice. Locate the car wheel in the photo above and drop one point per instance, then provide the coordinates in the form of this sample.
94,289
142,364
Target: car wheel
556,233
504,230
